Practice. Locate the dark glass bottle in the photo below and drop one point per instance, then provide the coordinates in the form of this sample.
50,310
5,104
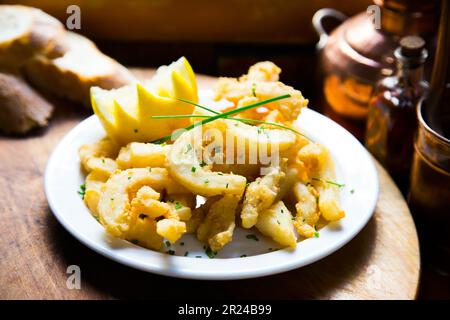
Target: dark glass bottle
392,121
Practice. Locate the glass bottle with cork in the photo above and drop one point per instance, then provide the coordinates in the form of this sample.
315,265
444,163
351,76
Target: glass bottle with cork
391,121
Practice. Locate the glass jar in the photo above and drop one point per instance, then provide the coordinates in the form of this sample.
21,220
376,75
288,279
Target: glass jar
429,196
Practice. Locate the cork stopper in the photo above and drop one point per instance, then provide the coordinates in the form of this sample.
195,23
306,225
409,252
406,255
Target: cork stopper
412,46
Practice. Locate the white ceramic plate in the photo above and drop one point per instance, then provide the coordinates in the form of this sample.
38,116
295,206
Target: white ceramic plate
354,168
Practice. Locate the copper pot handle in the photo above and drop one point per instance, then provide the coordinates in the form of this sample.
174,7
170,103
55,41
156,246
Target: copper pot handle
318,26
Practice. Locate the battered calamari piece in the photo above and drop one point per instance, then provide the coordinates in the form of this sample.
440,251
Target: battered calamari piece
196,176
97,160
142,155
262,71
100,169
146,204
316,167
101,149
260,195
307,209
276,223
260,84
115,206
217,228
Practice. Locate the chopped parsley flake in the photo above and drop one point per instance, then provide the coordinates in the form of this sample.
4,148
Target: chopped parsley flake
193,169
278,221
167,243
143,216
82,190
181,243
186,253
112,199
149,169
252,237
103,160
203,163
316,234
227,185
352,191
134,241
171,252
243,256
129,177
188,148
206,181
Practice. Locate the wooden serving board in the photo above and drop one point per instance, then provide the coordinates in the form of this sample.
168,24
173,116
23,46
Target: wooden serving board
382,262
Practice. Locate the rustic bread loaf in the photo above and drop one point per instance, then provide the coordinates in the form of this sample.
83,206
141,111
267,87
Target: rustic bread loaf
79,68
21,107
25,32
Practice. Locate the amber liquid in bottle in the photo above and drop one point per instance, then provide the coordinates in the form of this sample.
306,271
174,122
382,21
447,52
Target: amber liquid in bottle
392,121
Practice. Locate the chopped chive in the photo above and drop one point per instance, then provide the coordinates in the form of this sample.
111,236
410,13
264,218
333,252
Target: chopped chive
186,253
181,243
82,190
198,257
142,216
167,243
352,191
103,160
193,169
171,252
149,169
203,163
340,185
222,115
198,105
252,237
178,205
278,221
134,241
211,254
243,256
129,177
206,181
189,148
112,199
316,234
254,89
227,186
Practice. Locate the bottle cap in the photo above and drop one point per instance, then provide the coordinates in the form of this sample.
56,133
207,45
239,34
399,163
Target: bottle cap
412,46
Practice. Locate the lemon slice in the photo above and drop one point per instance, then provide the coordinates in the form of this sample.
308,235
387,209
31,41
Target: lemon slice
125,113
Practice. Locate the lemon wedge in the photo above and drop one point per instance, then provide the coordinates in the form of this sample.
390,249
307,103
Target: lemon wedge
126,113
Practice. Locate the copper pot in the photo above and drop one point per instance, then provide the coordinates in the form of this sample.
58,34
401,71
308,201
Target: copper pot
357,54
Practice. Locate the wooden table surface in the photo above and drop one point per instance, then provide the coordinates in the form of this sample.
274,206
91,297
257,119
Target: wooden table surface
382,262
